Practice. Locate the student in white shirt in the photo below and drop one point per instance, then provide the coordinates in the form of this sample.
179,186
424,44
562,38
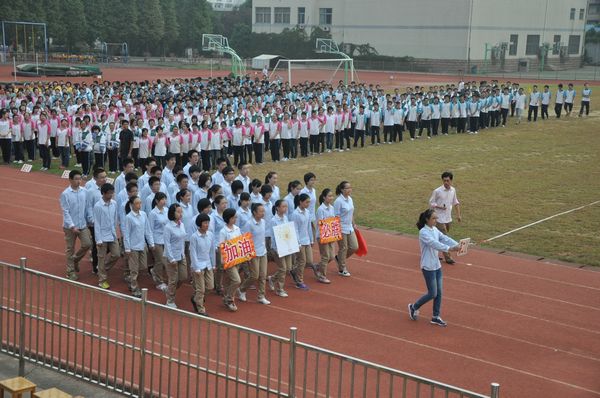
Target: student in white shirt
569,99
232,280
284,263
302,223
326,250
559,100
137,236
257,227
586,94
443,200
534,102
158,220
203,262
520,105
546,96
105,230
174,237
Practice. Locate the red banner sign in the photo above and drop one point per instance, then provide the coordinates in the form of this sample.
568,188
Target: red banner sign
237,250
330,230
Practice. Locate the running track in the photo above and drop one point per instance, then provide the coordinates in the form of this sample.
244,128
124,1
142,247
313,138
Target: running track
532,326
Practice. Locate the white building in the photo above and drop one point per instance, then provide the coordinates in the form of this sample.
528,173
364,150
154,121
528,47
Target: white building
225,5
465,32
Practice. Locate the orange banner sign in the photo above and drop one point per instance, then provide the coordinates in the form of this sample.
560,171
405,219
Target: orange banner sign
330,230
237,250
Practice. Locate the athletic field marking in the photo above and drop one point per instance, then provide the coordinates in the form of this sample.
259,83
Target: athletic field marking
31,247
541,221
35,195
54,231
384,307
53,213
501,270
31,182
426,346
589,307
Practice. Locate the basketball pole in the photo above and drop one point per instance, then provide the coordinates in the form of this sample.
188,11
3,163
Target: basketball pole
14,69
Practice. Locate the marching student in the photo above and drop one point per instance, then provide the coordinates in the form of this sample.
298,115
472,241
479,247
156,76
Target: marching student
219,205
294,188
302,223
559,100
135,235
569,99
256,226
284,263
99,146
237,187
431,241
203,262
93,196
243,176
344,209
534,102
546,96
255,187
325,210
521,98
271,180
148,201
105,232
586,94
174,237
87,147
184,199
243,211
73,203
158,220
232,281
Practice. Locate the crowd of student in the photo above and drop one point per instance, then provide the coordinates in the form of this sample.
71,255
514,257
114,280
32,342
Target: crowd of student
172,220
102,124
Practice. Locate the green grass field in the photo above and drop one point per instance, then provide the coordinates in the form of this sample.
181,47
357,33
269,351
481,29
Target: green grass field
505,178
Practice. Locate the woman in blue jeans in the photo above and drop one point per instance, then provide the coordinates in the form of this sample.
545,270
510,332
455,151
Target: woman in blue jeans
431,240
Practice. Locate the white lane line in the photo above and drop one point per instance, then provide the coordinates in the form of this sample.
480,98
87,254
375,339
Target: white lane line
35,195
540,221
54,231
27,183
438,349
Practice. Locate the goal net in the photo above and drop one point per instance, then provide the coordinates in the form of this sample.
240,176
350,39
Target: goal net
331,70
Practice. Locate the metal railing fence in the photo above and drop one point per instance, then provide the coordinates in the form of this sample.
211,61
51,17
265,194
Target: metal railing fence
143,349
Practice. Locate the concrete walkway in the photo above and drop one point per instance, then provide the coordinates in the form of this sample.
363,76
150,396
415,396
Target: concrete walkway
45,378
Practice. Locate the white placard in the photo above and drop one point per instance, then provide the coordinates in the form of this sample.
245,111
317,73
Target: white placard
110,180
26,168
65,174
463,246
286,239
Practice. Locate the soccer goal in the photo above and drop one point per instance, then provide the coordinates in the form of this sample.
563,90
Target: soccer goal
314,69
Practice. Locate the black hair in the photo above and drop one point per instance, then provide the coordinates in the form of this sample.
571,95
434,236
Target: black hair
127,161
212,190
107,188
98,171
221,160
170,156
236,185
202,180
152,180
195,169
203,204
217,200
157,198
130,186
191,152
155,169
202,218
265,189
74,173
129,203
182,177
228,170
308,176
242,164
278,203
424,217
243,196
447,174
323,195
338,189
300,198
256,183
171,212
254,207
269,175
228,214
179,195
293,184
131,176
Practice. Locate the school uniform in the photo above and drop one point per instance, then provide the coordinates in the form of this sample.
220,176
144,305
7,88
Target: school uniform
375,121
284,264
586,94
412,118
326,250
258,265
73,203
28,131
559,102
99,148
303,225
569,100
105,234
112,146
232,280
344,209
505,101
174,236
473,108
534,101
158,221
435,118
202,257
137,232
17,142
43,142
445,115
546,96
425,121
362,121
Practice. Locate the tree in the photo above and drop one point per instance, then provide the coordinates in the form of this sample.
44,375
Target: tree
171,26
74,18
194,20
151,30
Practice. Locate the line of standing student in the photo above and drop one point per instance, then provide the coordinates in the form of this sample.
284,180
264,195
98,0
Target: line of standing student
178,240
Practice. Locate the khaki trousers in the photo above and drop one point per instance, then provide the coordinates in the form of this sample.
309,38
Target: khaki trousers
304,256
284,265
137,260
176,273
258,272
326,252
160,263
232,282
112,249
347,247
445,229
85,240
203,281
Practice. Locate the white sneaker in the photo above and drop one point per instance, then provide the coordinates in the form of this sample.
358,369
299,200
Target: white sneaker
20,162
162,287
271,283
171,304
14,161
241,295
281,293
264,301
78,165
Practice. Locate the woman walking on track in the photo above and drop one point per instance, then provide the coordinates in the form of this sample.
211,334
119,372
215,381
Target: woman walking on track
174,238
431,240
324,211
344,209
228,232
137,232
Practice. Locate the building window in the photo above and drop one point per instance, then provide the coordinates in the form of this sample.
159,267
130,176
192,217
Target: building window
512,46
574,44
263,14
301,15
282,15
572,15
325,16
581,13
556,45
533,45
